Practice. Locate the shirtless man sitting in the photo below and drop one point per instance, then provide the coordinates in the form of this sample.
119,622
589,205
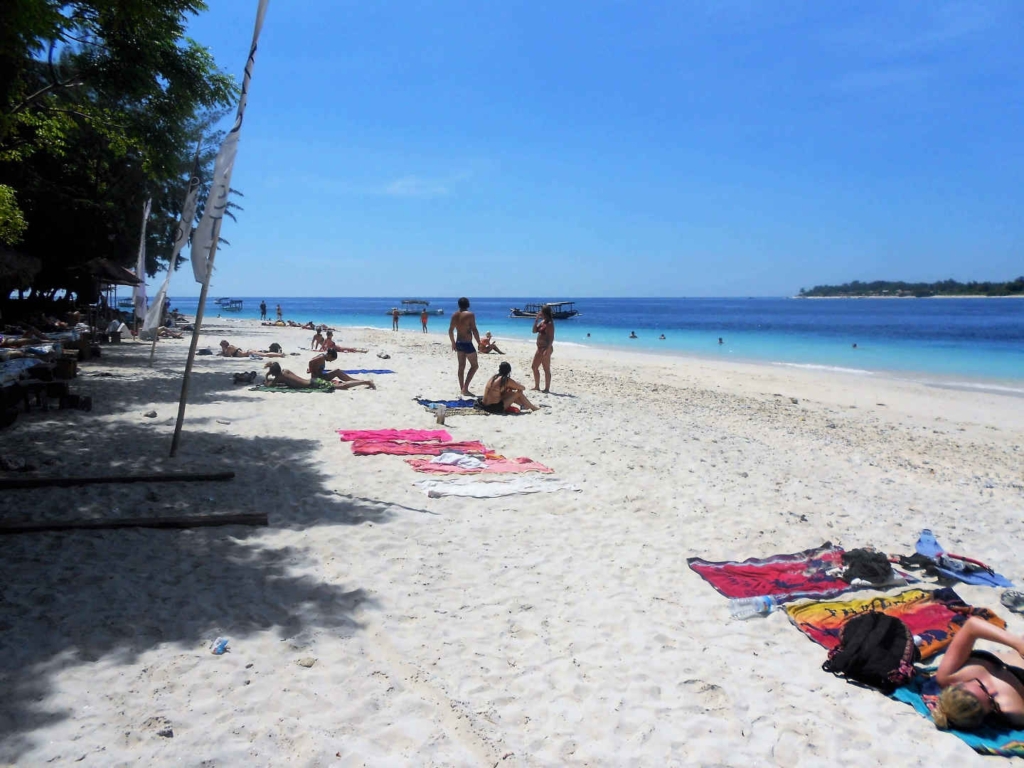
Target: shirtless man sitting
228,350
461,332
317,370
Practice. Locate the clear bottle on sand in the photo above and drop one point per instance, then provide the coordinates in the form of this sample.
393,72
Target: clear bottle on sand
749,607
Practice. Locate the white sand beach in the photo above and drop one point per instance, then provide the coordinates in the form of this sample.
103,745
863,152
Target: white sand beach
547,629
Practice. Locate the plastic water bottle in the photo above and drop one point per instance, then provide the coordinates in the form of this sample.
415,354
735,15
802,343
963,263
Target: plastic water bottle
748,607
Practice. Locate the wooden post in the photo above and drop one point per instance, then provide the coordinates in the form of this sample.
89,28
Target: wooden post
195,338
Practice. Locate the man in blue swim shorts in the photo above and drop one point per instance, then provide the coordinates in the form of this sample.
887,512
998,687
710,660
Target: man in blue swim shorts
462,332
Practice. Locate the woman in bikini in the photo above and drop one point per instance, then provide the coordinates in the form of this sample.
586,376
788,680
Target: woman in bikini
229,350
978,685
501,391
317,370
282,377
544,327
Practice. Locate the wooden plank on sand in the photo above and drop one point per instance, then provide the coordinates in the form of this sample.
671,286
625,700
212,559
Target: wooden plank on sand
64,482
188,521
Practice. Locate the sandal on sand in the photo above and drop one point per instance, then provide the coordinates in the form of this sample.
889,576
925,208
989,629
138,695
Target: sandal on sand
1014,600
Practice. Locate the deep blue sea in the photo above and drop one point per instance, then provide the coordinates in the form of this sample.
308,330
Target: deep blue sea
947,341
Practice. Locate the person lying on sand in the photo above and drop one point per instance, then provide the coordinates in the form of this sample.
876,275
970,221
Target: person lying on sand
329,343
282,377
487,345
978,686
228,350
318,370
502,391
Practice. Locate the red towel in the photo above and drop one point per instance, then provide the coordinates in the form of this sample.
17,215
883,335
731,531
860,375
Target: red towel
393,434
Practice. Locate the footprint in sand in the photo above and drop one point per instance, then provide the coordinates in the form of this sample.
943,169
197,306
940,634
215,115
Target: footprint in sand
707,696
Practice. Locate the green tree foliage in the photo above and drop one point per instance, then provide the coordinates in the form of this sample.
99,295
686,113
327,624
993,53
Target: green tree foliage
943,288
101,102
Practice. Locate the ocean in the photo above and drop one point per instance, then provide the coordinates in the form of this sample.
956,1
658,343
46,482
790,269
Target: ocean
971,343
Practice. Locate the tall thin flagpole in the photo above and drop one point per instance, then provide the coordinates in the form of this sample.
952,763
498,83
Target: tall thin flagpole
195,341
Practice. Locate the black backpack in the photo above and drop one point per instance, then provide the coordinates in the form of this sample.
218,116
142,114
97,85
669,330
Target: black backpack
875,650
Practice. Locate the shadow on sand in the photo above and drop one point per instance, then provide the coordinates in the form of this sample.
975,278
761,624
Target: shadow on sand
72,598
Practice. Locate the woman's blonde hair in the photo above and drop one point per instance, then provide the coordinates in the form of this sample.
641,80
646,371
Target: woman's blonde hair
958,708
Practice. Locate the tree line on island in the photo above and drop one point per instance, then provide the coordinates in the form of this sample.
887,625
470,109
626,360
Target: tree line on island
101,108
880,288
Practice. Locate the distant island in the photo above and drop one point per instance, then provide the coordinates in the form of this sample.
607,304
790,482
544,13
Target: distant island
886,289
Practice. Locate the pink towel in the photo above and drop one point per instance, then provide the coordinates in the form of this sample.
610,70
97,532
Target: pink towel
393,434
393,448
505,465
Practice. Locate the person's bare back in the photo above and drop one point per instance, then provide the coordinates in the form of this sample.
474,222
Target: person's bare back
462,333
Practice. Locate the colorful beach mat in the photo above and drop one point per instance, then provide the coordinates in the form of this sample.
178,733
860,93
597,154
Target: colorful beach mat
934,616
785,577
348,435
318,386
418,448
375,371
433,404
491,467
922,692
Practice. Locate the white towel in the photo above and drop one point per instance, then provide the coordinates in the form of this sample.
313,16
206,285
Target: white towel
458,460
483,489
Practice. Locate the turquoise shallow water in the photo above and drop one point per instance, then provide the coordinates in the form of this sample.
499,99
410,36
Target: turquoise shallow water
950,342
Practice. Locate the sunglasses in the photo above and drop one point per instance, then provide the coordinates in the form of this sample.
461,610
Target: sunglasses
991,699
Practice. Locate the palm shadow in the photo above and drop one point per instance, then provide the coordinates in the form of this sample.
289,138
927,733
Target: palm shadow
78,597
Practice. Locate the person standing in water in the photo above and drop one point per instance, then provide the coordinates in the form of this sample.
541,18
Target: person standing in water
544,327
462,332
423,319
394,319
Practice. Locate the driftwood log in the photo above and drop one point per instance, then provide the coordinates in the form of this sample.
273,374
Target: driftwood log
188,521
65,482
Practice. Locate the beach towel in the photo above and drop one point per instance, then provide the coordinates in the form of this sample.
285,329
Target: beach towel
922,692
422,448
490,467
394,434
377,371
784,577
432,404
318,386
934,617
492,489
956,567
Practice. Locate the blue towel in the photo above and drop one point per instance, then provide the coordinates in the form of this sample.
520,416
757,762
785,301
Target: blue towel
447,403
949,567
377,371
987,740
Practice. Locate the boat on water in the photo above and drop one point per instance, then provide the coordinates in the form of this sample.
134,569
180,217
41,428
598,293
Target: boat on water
414,307
560,310
128,303
230,305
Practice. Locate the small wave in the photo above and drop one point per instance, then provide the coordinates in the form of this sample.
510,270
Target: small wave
976,385
831,368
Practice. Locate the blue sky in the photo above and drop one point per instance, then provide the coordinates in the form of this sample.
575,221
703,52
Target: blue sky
610,148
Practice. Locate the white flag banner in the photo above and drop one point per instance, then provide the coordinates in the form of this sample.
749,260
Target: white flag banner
217,201
181,235
139,293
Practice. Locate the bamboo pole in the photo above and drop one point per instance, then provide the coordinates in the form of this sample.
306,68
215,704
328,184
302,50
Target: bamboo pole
187,521
65,482
195,339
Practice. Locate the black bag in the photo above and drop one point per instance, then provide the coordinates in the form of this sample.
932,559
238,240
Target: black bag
875,650
867,565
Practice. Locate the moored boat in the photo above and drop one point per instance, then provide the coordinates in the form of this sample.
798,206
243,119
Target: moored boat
560,310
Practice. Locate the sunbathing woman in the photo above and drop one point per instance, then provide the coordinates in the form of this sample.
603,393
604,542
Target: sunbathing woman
329,343
228,350
317,370
501,391
976,684
282,377
487,345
